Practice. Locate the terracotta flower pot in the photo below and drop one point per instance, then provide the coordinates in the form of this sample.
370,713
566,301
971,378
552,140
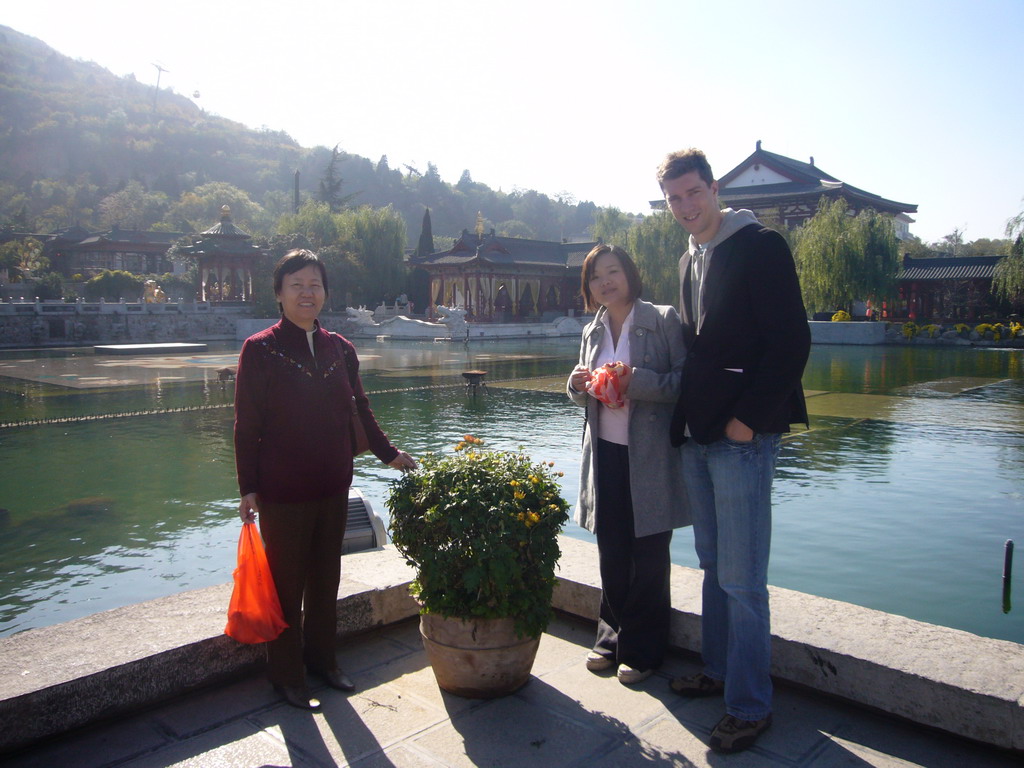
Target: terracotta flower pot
477,658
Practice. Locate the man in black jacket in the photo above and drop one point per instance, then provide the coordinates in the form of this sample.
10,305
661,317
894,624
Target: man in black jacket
747,342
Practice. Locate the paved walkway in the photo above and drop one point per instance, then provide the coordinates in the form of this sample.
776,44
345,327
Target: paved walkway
565,716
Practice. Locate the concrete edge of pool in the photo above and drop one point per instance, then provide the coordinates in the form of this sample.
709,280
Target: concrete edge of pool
56,679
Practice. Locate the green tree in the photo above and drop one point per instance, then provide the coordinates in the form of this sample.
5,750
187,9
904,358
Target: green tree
425,246
1008,282
610,224
315,222
50,287
951,244
985,246
200,209
113,285
22,258
133,207
376,239
916,248
514,228
331,183
656,242
841,258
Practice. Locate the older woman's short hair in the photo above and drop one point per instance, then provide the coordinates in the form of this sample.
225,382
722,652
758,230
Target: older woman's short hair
590,264
293,261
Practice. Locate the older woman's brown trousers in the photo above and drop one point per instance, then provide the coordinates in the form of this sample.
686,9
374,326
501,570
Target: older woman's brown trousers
303,543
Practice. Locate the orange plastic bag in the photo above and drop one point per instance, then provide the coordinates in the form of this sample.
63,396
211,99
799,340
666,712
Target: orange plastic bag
254,614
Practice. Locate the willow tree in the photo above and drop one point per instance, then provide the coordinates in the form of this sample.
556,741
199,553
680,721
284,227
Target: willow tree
610,224
376,239
656,243
842,258
1008,282
314,221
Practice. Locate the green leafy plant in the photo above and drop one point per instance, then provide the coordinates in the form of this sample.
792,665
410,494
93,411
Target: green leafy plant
481,528
909,329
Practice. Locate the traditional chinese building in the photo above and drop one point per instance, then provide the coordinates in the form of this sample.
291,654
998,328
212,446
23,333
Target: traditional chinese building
505,279
77,251
956,288
780,189
225,255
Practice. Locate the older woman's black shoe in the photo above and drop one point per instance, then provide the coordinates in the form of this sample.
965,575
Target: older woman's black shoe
338,680
298,697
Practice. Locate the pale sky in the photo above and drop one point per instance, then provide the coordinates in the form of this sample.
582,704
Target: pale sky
917,101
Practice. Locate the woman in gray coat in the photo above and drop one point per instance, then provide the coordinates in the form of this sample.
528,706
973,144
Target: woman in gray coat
631,483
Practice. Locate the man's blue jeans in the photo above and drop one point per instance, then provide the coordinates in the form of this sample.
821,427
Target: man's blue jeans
729,485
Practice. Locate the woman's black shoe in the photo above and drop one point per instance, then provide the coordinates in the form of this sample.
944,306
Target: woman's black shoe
298,697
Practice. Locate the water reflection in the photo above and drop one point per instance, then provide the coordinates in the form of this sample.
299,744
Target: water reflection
899,497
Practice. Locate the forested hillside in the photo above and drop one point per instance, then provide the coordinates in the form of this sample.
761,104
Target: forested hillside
81,145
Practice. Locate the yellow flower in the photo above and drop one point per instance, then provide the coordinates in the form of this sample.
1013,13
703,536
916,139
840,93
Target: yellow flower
519,495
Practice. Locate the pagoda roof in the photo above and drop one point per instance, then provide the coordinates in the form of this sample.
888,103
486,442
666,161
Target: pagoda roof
791,181
802,180
222,239
226,228
951,268
498,251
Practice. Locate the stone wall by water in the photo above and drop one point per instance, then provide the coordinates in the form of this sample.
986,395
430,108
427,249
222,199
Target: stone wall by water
43,324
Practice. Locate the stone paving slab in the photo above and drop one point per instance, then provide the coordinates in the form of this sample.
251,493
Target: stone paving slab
931,676
564,716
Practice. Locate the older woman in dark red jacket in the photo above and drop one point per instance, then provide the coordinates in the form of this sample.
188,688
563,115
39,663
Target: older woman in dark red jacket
297,390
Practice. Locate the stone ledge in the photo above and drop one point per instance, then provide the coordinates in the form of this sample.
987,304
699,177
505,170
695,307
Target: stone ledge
827,332
58,678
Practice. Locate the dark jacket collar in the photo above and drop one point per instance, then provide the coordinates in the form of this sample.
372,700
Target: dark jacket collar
290,333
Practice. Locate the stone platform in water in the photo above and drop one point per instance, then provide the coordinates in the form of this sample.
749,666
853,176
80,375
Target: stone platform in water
169,348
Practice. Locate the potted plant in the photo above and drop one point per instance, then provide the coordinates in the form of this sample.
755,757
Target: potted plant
481,529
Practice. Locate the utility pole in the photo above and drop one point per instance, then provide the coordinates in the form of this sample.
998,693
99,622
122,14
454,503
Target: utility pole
159,71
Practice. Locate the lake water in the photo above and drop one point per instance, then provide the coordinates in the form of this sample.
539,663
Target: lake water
900,497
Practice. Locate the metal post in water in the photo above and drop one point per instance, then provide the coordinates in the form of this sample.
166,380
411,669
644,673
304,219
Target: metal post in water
1007,571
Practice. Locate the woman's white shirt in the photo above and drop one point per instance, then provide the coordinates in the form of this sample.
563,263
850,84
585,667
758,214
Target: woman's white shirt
613,424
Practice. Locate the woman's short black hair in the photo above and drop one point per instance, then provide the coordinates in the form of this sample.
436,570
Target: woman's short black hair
636,285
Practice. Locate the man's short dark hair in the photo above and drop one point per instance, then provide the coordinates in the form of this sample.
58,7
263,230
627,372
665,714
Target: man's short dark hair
684,161
633,280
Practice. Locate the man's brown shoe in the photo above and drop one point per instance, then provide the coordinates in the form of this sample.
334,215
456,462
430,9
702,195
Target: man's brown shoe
697,686
734,735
